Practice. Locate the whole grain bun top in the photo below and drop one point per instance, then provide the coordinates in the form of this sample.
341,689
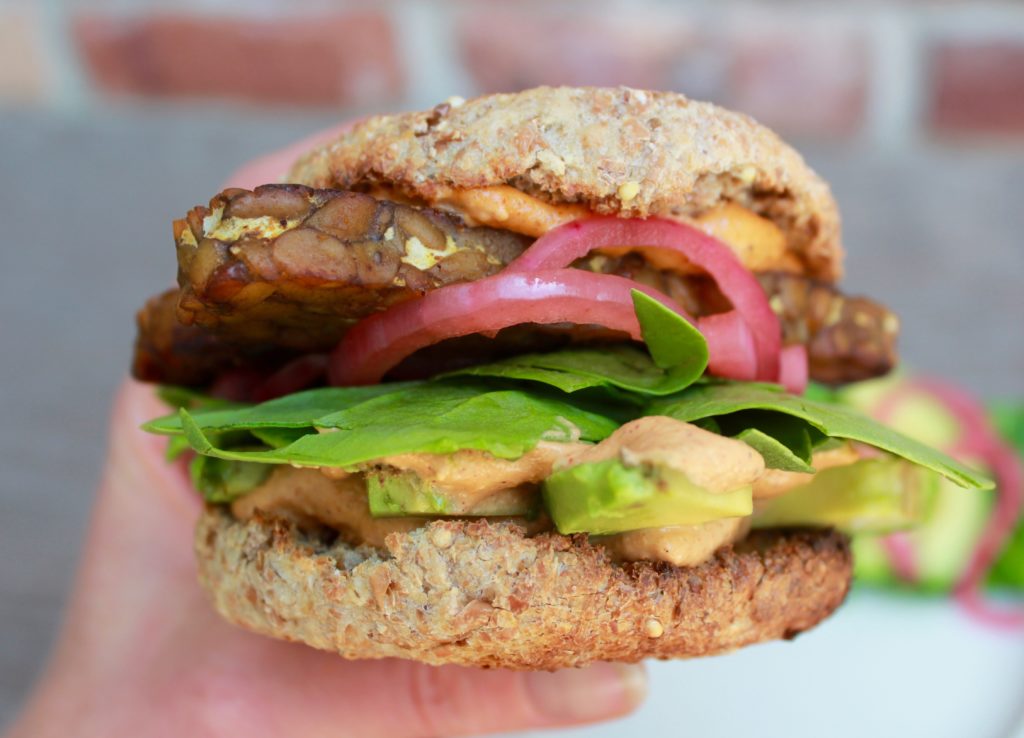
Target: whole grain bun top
620,151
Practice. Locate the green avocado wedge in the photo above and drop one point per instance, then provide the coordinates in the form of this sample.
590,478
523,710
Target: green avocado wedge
609,497
399,493
877,495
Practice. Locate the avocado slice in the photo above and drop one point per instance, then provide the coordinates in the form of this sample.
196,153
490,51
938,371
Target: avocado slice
608,496
876,495
393,492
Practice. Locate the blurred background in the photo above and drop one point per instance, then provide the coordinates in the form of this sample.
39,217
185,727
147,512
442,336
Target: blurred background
116,117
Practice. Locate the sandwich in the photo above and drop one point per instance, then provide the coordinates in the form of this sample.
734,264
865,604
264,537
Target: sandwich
529,381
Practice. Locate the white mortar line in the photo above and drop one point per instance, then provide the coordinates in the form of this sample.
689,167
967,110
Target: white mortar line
70,92
896,81
428,49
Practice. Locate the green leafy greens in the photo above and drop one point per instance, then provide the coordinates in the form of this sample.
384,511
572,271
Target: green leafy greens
433,417
297,410
507,407
720,400
678,357
222,481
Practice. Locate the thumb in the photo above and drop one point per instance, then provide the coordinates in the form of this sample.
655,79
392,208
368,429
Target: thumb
404,699
460,701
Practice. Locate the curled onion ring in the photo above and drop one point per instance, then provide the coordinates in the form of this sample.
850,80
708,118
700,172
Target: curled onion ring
379,343
563,245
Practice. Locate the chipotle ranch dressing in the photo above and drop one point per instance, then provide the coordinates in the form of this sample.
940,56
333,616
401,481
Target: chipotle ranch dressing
681,545
758,242
308,496
713,462
474,475
337,499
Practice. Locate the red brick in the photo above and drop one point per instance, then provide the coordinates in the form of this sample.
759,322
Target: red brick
340,59
805,78
977,87
507,49
23,77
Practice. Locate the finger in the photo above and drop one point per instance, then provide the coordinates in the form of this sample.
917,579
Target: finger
138,458
147,507
405,699
274,167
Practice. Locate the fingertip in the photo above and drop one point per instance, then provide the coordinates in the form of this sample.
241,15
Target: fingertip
138,457
451,700
602,691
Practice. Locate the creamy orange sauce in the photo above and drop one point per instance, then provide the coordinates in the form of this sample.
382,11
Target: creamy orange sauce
758,242
681,545
506,207
308,496
713,462
718,464
340,502
474,475
775,482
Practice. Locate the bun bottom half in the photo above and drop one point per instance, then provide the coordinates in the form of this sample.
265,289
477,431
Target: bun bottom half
480,593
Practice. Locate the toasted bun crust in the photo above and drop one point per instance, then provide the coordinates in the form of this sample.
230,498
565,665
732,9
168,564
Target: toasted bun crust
483,594
675,156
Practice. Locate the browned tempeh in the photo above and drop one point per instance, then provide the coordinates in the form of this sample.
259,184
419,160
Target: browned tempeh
285,269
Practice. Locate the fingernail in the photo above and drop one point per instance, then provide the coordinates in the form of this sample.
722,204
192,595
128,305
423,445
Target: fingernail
595,692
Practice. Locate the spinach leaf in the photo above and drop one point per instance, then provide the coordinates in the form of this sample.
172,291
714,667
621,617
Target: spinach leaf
222,481
723,398
678,356
277,437
785,442
675,344
574,369
176,446
436,418
297,410
777,455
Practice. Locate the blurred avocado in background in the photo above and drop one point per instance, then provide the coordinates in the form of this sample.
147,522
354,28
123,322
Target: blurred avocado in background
952,519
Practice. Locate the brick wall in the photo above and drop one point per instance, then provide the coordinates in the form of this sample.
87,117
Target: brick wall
886,73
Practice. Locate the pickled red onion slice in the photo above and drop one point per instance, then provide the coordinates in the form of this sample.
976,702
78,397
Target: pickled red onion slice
735,355
793,371
561,246
298,374
380,342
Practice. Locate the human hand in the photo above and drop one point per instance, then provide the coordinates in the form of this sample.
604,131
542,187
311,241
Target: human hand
142,652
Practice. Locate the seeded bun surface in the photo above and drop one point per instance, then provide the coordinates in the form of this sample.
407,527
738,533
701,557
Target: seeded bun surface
619,151
484,594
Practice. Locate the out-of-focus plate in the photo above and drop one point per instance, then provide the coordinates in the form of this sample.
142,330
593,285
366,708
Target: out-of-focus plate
883,665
